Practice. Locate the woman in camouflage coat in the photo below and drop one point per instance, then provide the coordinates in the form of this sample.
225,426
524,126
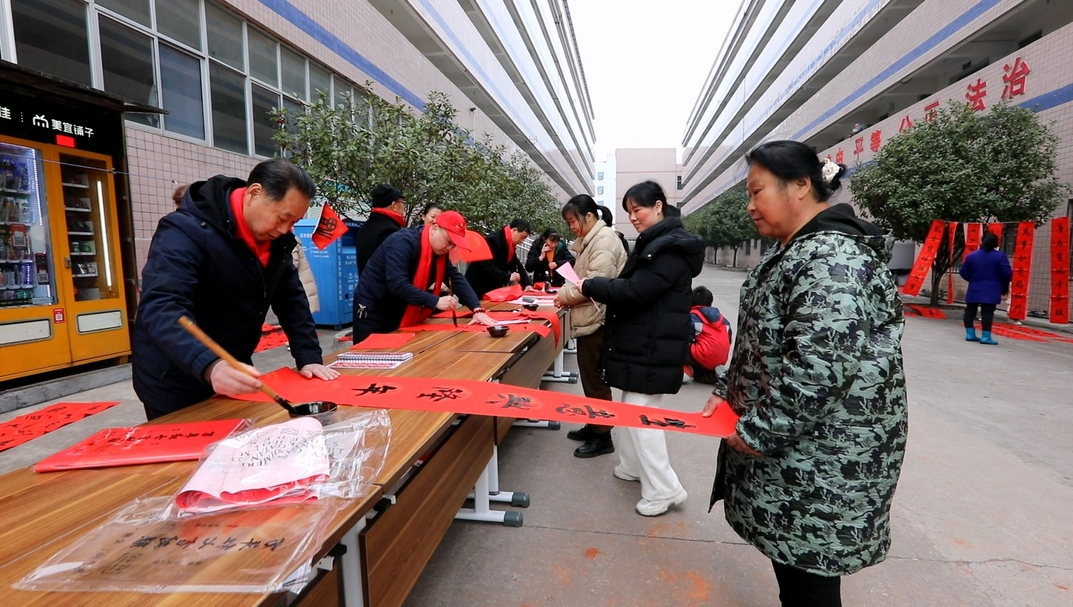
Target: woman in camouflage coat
817,379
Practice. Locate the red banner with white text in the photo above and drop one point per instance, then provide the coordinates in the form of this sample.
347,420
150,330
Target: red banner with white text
486,398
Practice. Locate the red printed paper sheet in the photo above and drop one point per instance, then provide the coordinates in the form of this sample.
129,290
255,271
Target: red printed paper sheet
27,427
484,398
140,445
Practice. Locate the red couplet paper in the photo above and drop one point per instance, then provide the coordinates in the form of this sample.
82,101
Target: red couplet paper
1022,267
1059,312
924,260
485,398
950,275
32,425
141,445
384,341
973,233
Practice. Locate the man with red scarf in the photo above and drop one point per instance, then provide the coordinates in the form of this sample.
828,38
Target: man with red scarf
403,282
504,268
386,218
223,258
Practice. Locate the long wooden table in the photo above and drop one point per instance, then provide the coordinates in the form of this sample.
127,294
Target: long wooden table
385,550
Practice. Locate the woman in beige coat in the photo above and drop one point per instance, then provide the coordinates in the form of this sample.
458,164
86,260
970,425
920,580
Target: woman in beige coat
599,253
305,274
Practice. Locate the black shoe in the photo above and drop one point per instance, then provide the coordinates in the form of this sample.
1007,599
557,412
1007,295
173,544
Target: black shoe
600,445
583,434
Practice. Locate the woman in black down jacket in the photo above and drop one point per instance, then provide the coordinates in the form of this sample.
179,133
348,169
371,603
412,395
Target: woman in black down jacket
648,331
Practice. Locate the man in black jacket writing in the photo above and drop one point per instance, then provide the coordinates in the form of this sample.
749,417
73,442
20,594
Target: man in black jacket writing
222,259
504,268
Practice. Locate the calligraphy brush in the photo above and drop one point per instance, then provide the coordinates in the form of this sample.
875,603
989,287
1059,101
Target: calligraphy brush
224,355
451,293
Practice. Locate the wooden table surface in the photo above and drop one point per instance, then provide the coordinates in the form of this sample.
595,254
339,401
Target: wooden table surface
44,513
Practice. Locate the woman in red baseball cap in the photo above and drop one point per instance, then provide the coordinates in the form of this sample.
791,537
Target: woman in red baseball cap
402,283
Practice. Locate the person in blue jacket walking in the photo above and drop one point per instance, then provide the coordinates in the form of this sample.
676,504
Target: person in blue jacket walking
988,272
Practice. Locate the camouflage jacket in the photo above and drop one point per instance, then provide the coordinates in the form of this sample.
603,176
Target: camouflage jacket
817,378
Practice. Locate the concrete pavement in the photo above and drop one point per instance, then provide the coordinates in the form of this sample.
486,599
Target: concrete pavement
981,516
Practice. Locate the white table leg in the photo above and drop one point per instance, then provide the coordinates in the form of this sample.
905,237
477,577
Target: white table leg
350,567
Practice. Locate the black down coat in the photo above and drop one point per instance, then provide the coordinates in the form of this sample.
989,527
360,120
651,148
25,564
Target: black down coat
198,267
648,328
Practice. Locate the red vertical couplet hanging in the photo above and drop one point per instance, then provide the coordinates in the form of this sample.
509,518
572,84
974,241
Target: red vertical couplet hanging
1022,267
973,233
925,258
996,229
952,232
1059,312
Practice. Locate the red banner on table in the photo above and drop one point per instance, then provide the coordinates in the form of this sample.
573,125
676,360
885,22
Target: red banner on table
27,427
486,398
1059,312
1022,268
924,260
951,234
141,445
543,330
973,233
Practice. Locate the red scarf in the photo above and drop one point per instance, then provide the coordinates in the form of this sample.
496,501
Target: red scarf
510,244
392,214
417,314
260,249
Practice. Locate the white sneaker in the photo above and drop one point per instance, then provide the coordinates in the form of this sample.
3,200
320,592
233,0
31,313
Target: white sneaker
626,476
647,507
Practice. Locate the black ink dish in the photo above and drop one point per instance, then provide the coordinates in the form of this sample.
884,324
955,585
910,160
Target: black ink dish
498,330
322,410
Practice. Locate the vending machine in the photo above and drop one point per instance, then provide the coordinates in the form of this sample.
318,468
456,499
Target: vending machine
63,262
61,293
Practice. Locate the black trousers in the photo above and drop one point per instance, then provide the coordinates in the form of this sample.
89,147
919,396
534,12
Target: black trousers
799,588
987,315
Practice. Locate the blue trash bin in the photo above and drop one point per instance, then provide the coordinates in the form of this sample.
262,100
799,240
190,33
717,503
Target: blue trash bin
335,270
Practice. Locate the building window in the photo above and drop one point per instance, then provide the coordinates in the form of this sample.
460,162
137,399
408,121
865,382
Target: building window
294,73
127,65
183,95
228,92
600,176
135,10
600,190
225,36
51,37
264,126
320,83
181,20
263,63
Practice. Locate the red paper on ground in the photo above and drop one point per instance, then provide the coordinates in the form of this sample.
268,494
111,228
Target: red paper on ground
271,340
141,445
384,341
32,425
486,398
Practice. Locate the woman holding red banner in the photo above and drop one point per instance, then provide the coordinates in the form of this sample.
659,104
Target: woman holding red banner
817,379
598,254
403,281
648,335
988,272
